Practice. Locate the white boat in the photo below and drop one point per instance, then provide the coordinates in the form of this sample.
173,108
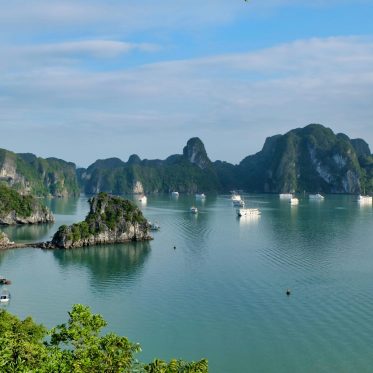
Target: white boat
286,196
4,296
294,201
200,196
154,226
175,194
248,212
238,203
364,199
194,210
317,197
143,199
235,197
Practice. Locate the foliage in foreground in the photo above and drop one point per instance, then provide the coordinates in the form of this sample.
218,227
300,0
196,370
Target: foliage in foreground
76,346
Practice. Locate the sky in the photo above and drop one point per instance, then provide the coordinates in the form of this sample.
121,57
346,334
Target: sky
85,80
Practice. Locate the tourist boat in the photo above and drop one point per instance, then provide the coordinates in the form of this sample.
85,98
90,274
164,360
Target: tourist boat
238,203
286,196
364,199
235,197
154,226
294,201
248,212
194,210
200,196
143,199
4,296
175,194
317,197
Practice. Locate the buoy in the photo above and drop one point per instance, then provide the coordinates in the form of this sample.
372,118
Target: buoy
174,247
288,292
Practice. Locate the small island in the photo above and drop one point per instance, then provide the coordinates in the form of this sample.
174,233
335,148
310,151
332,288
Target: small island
21,209
111,219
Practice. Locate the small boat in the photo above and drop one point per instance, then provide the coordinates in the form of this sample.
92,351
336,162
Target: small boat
200,196
4,281
248,212
143,199
175,194
194,210
286,196
294,201
154,226
317,197
4,296
364,199
235,197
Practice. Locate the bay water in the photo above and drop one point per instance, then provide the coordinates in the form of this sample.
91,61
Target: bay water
212,285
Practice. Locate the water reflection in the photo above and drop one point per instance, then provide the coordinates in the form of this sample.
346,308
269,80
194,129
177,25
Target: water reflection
62,206
107,263
248,220
302,234
27,232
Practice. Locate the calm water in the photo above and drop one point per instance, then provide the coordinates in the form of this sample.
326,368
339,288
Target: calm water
221,293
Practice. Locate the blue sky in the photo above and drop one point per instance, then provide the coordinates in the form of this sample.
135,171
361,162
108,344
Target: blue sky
83,80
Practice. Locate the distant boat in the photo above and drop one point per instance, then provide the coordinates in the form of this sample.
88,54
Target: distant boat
317,197
364,199
4,296
286,196
194,210
235,197
4,281
200,196
154,226
248,212
175,194
143,199
294,201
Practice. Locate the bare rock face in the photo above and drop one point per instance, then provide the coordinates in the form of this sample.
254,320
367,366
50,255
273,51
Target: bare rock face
111,220
195,152
4,240
138,188
40,215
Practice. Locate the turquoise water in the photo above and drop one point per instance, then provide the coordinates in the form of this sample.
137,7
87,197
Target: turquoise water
221,293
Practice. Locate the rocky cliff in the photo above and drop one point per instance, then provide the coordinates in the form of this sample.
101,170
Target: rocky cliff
311,159
33,175
19,209
110,220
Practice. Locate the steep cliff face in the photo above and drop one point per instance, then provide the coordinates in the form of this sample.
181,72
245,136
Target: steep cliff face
32,175
18,209
195,153
311,159
110,220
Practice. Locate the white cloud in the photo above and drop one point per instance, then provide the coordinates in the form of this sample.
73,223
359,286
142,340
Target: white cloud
234,99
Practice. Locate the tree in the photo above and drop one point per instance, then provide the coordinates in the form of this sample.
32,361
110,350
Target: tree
75,347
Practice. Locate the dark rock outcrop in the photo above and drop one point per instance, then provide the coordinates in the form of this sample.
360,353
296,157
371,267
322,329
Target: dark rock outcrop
110,220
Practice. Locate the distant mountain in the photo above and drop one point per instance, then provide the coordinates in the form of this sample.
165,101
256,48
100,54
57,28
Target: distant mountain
311,159
32,175
190,172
